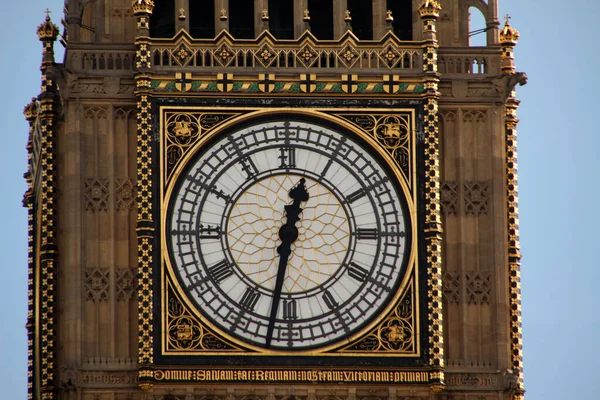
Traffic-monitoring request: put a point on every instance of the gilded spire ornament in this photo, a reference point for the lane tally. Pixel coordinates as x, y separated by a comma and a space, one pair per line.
47, 31
306, 17
389, 17
30, 110
142, 6
347, 17
509, 36
508, 40
430, 8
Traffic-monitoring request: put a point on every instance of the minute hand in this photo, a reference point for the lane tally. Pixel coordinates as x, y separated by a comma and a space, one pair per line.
288, 233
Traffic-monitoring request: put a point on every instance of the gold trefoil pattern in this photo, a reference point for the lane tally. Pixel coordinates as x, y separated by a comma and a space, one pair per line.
184, 332
395, 334
184, 129
253, 234
392, 132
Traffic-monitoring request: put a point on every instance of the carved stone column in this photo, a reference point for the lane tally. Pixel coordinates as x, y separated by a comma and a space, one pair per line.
46, 212
339, 13
429, 11
508, 39
145, 224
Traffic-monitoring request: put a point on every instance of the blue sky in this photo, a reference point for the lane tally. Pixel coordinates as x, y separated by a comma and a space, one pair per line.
559, 176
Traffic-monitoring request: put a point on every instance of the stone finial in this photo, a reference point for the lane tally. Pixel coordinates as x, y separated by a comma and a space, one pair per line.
348, 20
265, 15
30, 110
389, 18
306, 17
223, 15
508, 40
430, 8
142, 6
47, 31
347, 17
182, 16
509, 36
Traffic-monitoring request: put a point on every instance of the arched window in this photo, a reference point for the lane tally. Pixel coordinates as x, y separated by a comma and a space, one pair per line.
402, 13
202, 19
321, 18
241, 19
361, 12
162, 21
281, 18
477, 24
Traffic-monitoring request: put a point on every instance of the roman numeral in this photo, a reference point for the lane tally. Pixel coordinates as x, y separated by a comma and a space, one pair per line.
338, 148
212, 189
248, 165
362, 192
209, 232
357, 272
196, 283
329, 300
221, 271
352, 197
367, 234
287, 155
249, 299
289, 309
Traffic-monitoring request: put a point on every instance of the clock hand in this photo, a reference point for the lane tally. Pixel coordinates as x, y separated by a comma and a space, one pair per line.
288, 233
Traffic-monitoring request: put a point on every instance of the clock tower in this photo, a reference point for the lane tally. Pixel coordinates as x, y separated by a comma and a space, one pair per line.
274, 200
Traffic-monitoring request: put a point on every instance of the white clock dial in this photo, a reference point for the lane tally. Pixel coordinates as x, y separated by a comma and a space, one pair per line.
228, 220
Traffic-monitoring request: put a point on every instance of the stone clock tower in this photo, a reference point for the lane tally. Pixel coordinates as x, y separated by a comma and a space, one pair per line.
274, 200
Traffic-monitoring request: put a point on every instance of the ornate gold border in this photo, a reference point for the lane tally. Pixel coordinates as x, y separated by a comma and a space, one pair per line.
145, 232
430, 12
30, 112
41, 201
331, 115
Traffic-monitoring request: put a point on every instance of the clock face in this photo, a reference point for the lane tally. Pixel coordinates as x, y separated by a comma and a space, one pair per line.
288, 235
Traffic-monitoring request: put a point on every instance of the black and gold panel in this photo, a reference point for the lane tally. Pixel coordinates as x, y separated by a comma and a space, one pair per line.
288, 238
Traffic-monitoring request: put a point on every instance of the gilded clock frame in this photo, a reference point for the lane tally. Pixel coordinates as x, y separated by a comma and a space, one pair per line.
385, 335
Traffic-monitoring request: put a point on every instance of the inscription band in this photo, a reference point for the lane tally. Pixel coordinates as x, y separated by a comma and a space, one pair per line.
213, 375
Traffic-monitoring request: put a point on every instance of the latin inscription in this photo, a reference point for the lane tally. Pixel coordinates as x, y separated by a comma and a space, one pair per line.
214, 375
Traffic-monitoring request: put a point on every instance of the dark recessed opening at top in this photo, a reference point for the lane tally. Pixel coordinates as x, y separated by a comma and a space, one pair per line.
402, 13
162, 20
202, 19
361, 12
281, 18
321, 18
241, 19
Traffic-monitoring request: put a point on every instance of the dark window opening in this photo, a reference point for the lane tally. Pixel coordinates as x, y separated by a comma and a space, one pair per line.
402, 13
202, 19
321, 18
162, 20
281, 18
361, 12
241, 19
